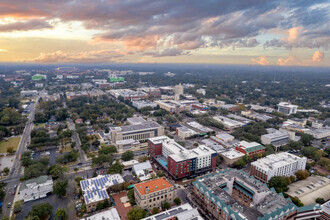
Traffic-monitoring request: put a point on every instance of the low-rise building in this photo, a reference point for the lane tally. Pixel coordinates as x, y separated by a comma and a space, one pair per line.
256, 116
95, 189
319, 133
231, 156
128, 94
182, 212
251, 149
275, 137
36, 188
298, 121
143, 170
135, 120
184, 132
228, 122
29, 93
153, 193
144, 104
281, 164
73, 95
199, 128
111, 214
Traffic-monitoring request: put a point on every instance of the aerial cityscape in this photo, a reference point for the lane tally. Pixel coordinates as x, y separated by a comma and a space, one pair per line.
164, 110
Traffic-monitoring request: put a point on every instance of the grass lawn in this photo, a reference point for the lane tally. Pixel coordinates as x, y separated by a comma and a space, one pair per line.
12, 142
40, 125
67, 148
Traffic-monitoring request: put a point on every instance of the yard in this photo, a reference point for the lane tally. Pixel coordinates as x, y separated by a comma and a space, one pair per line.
10, 143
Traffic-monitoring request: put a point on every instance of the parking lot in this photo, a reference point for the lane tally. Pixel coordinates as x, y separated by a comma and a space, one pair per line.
51, 153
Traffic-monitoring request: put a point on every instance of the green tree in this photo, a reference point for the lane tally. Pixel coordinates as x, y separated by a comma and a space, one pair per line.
6, 170
127, 155
280, 183
99, 206
57, 171
143, 159
155, 210
320, 201
59, 188
160, 173
131, 196
42, 211
61, 214
177, 201
136, 213
302, 174
117, 167
18, 206
297, 201
166, 205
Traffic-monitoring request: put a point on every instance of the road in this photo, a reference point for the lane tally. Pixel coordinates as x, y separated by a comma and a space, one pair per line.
76, 139
16, 171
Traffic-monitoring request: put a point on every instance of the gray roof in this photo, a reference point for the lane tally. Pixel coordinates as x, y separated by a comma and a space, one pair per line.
136, 127
38, 180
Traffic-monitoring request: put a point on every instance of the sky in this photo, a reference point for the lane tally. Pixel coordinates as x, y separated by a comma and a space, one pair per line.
256, 32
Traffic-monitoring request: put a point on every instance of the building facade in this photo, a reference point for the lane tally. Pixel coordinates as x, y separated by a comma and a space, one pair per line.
153, 193
251, 149
233, 194
287, 108
178, 161
138, 132
281, 164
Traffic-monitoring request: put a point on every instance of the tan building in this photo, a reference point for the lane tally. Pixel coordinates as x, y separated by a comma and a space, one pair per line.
136, 132
153, 193
231, 156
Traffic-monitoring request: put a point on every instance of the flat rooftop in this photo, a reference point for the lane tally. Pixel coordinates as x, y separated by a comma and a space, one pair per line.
95, 189
136, 127
232, 154
182, 212
310, 189
274, 161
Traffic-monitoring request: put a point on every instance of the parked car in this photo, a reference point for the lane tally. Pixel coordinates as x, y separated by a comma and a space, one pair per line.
8, 205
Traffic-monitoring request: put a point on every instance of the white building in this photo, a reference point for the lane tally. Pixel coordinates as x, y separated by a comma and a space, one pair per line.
182, 212
36, 188
287, 108
231, 156
198, 127
27, 93
184, 132
110, 214
319, 133
201, 91
281, 164
144, 104
275, 137
228, 123
143, 170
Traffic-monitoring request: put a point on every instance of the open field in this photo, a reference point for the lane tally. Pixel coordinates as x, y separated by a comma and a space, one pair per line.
11, 142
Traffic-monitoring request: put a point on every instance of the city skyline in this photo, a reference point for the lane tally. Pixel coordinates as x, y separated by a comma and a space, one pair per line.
292, 33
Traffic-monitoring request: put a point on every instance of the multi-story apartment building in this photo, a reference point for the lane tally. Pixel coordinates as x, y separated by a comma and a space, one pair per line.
153, 193
281, 164
178, 161
233, 194
287, 108
138, 132
250, 149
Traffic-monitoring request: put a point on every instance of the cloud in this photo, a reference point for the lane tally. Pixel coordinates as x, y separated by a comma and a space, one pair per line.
290, 61
318, 57
3, 50
262, 60
167, 53
152, 25
87, 57
25, 25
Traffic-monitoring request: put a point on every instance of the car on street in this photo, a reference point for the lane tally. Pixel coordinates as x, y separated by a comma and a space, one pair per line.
8, 205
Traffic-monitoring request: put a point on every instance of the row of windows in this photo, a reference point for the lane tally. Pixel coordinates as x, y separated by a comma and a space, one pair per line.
137, 136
